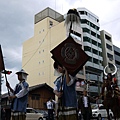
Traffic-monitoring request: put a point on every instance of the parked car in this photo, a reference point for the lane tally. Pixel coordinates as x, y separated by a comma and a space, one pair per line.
43, 112
99, 112
32, 114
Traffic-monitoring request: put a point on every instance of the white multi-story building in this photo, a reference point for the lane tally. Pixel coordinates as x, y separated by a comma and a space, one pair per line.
92, 46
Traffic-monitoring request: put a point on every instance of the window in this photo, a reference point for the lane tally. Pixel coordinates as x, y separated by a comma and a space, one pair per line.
94, 42
82, 12
99, 45
110, 56
90, 59
93, 25
35, 96
86, 39
117, 53
95, 51
86, 48
93, 33
95, 61
100, 62
109, 47
50, 24
86, 30
31, 110
111, 66
100, 53
117, 62
84, 21
98, 36
97, 28
101, 107
107, 37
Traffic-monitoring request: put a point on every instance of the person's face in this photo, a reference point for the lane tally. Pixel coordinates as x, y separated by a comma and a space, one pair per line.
85, 93
60, 69
19, 76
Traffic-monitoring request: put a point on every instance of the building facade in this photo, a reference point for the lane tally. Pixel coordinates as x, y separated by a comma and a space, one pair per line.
49, 31
117, 56
108, 50
117, 62
92, 46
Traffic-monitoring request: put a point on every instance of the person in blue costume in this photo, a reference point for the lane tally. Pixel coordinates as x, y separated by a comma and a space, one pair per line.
19, 97
65, 91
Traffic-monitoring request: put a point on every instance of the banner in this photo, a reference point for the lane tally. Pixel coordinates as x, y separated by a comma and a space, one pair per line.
70, 54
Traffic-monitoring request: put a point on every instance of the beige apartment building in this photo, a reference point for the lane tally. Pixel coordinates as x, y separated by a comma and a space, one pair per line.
49, 31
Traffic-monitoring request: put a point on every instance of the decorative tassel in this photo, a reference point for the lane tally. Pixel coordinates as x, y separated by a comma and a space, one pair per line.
72, 20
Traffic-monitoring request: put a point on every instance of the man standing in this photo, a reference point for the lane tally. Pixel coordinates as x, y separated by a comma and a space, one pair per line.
84, 106
50, 107
19, 96
65, 90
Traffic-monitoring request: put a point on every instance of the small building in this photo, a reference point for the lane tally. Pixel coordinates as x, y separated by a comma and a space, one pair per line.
39, 95
37, 98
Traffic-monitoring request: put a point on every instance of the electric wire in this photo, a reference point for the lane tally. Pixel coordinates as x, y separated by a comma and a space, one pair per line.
36, 50
110, 22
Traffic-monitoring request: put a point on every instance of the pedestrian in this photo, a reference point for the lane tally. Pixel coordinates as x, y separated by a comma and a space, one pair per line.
19, 96
66, 93
3, 112
50, 107
84, 105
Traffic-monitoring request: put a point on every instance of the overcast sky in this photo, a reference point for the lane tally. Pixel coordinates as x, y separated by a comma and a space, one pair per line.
17, 24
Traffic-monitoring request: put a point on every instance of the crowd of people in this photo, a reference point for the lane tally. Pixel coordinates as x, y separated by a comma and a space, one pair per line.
64, 89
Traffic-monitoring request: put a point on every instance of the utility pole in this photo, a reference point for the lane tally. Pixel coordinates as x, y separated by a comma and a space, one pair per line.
0, 94
88, 84
98, 78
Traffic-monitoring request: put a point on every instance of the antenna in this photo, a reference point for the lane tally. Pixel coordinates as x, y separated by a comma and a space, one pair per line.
55, 9
62, 6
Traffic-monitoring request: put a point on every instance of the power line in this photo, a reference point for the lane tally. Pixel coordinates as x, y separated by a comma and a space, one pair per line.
110, 21
38, 47
36, 50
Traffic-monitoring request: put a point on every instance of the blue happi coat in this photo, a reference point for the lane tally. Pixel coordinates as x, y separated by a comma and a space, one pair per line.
19, 104
69, 93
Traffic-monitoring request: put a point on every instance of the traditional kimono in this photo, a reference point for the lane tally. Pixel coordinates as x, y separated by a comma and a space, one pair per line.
19, 104
67, 110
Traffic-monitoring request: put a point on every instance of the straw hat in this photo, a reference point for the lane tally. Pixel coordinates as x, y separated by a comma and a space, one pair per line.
21, 71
